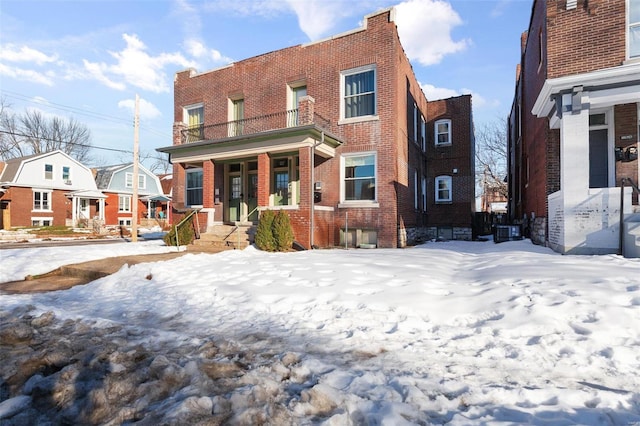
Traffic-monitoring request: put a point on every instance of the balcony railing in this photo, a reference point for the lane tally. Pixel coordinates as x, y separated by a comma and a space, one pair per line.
249, 126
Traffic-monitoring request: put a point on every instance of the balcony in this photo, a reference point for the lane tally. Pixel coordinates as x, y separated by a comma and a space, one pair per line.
252, 126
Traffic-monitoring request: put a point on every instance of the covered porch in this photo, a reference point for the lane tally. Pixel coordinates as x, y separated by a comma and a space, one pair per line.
231, 179
87, 208
597, 117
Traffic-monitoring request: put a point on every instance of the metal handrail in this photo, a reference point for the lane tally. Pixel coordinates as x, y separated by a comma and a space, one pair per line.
621, 232
183, 221
243, 219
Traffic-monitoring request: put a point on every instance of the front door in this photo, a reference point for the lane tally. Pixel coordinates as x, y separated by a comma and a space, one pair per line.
252, 201
598, 158
84, 208
235, 197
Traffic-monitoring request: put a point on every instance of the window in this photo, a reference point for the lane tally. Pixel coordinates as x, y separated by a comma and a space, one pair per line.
286, 183
41, 221
195, 123
443, 189
194, 187
424, 194
124, 203
236, 121
293, 104
48, 171
142, 181
443, 132
124, 222
423, 133
66, 174
41, 200
358, 92
415, 189
634, 29
359, 177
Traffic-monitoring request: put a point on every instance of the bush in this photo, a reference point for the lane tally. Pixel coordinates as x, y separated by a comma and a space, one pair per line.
264, 235
282, 231
186, 234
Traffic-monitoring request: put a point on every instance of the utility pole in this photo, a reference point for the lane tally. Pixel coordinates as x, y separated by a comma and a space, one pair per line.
134, 198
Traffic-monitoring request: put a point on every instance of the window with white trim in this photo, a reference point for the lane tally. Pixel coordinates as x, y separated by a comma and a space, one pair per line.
142, 181
443, 189
48, 171
358, 92
124, 203
124, 221
42, 200
194, 119
66, 174
442, 130
194, 187
633, 36
359, 177
41, 221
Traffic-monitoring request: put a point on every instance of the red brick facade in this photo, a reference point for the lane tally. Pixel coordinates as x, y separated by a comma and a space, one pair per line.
263, 82
563, 41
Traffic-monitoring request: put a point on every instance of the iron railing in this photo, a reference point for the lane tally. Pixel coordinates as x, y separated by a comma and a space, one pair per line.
248, 126
623, 181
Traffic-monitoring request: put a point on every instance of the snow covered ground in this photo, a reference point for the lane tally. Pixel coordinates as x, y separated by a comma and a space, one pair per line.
449, 332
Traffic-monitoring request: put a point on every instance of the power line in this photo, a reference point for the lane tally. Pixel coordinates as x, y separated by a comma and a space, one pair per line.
65, 142
79, 111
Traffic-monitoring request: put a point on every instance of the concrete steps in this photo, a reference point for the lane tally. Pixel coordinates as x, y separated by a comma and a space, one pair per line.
632, 236
226, 237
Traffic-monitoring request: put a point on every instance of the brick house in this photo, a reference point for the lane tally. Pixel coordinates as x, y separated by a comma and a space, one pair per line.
574, 125
337, 132
49, 189
116, 182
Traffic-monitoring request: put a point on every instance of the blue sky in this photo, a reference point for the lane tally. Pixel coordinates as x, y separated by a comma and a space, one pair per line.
88, 59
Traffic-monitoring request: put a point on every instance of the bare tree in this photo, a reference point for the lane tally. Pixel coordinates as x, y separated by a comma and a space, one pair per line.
33, 133
491, 156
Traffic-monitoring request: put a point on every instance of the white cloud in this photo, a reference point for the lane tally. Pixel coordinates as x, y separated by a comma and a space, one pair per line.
425, 29
199, 51
136, 67
317, 17
147, 110
31, 76
13, 53
434, 93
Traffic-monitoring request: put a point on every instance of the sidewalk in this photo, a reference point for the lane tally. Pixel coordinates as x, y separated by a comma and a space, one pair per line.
69, 276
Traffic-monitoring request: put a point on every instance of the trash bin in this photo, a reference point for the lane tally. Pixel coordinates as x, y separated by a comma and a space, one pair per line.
503, 233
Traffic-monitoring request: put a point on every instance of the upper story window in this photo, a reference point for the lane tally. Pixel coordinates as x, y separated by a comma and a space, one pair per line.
443, 189
423, 133
194, 187
236, 117
634, 29
294, 95
358, 92
443, 132
48, 171
359, 177
66, 174
194, 118
142, 181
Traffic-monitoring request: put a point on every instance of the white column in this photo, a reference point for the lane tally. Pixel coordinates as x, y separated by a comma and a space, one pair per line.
574, 151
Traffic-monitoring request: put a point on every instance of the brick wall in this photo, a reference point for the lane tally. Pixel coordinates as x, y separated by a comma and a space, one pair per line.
21, 206
587, 38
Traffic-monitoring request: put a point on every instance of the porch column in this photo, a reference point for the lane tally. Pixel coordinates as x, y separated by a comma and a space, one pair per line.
306, 195
574, 170
101, 204
264, 179
208, 181
74, 210
179, 177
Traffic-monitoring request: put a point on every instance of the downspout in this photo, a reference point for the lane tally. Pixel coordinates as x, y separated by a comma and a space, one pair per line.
312, 192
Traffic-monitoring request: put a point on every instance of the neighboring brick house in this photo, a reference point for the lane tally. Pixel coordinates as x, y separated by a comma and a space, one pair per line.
116, 182
338, 127
574, 125
50, 189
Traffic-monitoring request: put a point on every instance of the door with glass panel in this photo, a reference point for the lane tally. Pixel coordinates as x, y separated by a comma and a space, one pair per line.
281, 184
252, 190
235, 192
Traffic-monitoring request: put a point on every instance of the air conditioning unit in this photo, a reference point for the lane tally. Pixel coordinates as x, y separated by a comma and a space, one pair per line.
67, 182
504, 233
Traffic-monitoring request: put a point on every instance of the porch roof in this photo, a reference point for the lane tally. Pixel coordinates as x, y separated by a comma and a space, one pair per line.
272, 141
89, 193
606, 87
